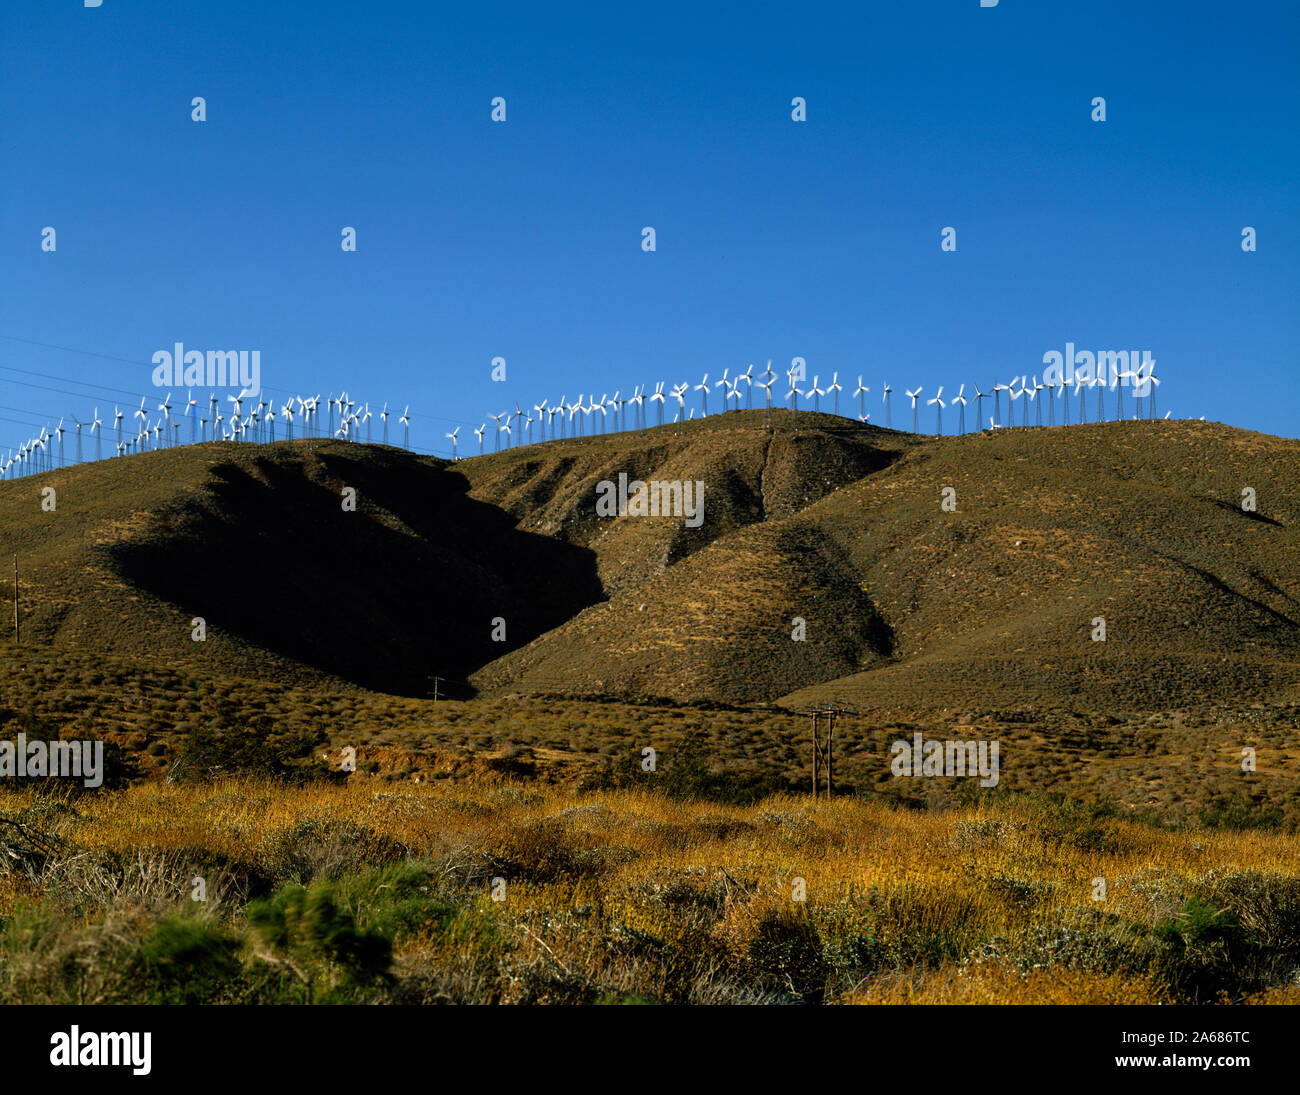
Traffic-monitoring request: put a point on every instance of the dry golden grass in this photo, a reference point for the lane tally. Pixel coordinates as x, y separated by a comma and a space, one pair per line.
629, 893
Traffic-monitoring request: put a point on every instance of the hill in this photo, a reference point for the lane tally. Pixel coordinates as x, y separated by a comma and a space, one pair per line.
991, 602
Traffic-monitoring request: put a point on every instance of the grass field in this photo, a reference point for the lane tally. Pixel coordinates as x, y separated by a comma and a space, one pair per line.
333, 892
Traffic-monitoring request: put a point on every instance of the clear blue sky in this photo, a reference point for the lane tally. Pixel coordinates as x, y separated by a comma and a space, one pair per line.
775, 238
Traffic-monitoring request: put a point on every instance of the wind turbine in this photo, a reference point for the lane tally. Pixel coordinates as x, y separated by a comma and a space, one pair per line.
78, 424
658, 397
979, 405
1012, 396
383, 417
1100, 385
540, 409
1120, 378
885, 396
479, 432
703, 386
679, 394
1152, 382
793, 395
191, 410
405, 420
496, 446
1051, 407
912, 396
59, 431
817, 394
960, 400
117, 421
725, 384
861, 392
166, 408
748, 377
95, 429
767, 389
1038, 407
938, 411
1030, 395
836, 387
997, 405
452, 437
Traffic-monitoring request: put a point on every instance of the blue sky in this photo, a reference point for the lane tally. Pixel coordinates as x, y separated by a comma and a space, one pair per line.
522, 240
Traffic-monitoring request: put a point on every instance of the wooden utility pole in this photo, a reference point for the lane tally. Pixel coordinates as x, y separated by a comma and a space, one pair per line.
434, 693
823, 751
17, 632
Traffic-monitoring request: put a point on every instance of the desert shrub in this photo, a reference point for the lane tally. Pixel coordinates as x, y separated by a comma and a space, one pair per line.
786, 953
316, 937
1240, 813
1196, 954
326, 849
184, 960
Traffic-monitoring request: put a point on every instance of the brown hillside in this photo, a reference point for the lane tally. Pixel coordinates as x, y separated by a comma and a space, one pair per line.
1137, 522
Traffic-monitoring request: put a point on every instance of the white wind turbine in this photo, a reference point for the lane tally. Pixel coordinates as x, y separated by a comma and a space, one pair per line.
59, 432
1051, 406
405, 420
540, 410
452, 438
1013, 394
793, 397
383, 418
95, 425
366, 419
1120, 379
166, 408
748, 377
912, 396
725, 384
960, 400
997, 405
496, 441
479, 432
703, 386
836, 387
1100, 385
817, 393
1026, 390
658, 397
938, 411
192, 410
885, 396
1150, 382
861, 392
78, 424
1038, 407
979, 404
767, 391
117, 421
679, 394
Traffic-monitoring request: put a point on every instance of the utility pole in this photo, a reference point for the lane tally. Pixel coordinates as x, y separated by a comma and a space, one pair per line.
434, 693
17, 633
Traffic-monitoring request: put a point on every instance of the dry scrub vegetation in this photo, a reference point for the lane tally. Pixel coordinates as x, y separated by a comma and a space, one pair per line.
368, 891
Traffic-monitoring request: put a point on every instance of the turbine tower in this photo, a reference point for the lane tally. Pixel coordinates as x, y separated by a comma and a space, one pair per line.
938, 411
912, 396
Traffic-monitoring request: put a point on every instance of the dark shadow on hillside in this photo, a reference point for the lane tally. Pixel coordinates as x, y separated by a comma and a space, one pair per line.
407, 586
